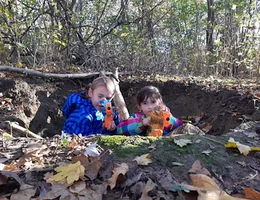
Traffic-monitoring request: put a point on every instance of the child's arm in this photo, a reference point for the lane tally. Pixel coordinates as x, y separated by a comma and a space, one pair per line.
174, 123
69, 104
132, 126
82, 123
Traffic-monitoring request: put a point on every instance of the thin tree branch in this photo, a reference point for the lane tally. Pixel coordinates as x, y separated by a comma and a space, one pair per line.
56, 76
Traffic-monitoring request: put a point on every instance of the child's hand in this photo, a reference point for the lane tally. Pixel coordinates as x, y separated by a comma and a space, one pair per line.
146, 121
112, 126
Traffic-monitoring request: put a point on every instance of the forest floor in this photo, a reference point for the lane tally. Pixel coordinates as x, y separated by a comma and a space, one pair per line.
180, 166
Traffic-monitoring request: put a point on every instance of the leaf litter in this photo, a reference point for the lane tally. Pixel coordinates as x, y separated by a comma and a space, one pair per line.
69, 173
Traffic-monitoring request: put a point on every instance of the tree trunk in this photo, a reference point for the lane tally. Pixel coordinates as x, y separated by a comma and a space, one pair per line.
210, 25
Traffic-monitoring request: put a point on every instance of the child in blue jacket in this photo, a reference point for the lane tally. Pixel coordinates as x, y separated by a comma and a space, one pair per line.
84, 110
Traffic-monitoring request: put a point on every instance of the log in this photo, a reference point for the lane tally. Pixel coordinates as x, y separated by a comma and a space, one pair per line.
119, 100
54, 75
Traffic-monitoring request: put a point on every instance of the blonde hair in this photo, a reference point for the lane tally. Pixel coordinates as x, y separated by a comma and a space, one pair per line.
104, 81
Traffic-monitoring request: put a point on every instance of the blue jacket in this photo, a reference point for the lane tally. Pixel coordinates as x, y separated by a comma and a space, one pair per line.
82, 117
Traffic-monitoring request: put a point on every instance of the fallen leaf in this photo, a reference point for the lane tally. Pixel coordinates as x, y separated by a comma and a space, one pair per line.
94, 192
32, 155
206, 127
243, 149
203, 181
25, 193
251, 194
148, 187
121, 169
70, 173
207, 152
92, 165
56, 191
77, 187
133, 180
73, 143
92, 150
182, 142
234, 114
197, 169
255, 148
143, 159
207, 188
48, 175
12, 166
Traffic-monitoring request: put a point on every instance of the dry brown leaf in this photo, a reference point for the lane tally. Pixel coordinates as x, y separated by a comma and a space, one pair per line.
94, 192
143, 159
133, 180
206, 127
12, 166
56, 191
197, 169
48, 175
234, 114
203, 181
148, 187
121, 169
77, 187
73, 143
25, 193
251, 194
92, 165
211, 194
28, 158
207, 188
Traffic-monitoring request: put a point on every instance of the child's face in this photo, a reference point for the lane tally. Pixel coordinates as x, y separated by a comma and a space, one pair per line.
148, 104
99, 93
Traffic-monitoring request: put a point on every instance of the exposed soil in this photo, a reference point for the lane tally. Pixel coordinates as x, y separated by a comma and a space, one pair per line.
36, 103
211, 105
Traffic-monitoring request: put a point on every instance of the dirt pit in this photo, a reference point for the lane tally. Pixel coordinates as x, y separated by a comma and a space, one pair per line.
36, 103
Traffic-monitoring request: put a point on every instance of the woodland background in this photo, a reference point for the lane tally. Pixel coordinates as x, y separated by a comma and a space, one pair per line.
191, 37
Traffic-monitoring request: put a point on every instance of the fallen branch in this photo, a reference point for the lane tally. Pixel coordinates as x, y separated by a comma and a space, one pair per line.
23, 130
53, 75
118, 99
